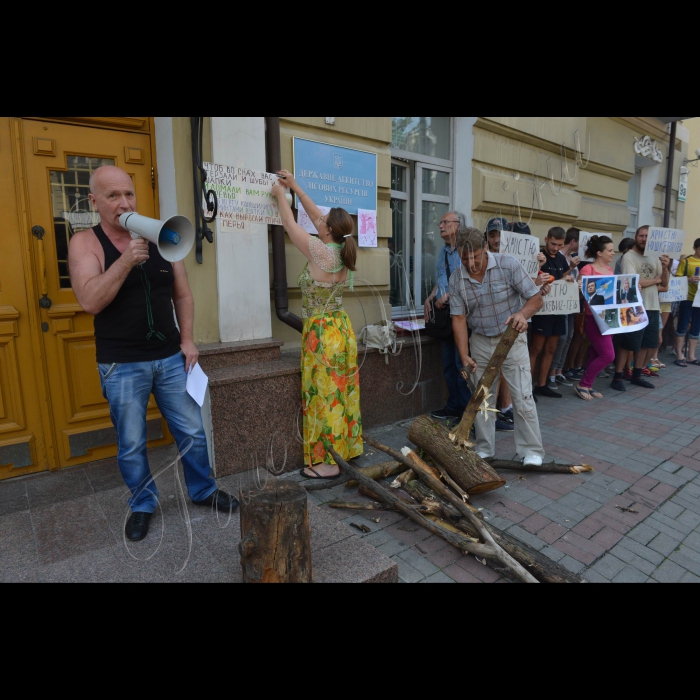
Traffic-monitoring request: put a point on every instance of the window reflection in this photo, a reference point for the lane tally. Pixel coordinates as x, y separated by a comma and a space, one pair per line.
428, 136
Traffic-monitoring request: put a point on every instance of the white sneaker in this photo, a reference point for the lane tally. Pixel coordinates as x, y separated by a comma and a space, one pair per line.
484, 456
533, 461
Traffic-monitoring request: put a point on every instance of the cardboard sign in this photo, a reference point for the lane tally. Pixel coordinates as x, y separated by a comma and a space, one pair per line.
665, 241
523, 248
245, 196
563, 300
677, 291
616, 303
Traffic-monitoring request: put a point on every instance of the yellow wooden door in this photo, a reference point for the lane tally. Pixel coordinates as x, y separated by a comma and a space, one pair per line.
23, 449
59, 160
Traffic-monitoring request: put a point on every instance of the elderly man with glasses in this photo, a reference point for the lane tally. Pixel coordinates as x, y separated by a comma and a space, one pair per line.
449, 261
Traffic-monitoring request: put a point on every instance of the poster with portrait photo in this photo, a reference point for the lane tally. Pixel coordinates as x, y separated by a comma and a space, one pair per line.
603, 296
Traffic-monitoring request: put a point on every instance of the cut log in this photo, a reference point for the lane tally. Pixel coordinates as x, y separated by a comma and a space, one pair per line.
551, 468
485, 385
379, 471
539, 565
464, 467
275, 535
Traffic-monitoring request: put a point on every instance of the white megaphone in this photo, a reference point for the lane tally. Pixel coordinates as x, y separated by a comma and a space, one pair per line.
175, 237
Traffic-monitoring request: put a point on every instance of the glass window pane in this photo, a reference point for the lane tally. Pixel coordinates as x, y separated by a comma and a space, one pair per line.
398, 178
428, 136
400, 264
436, 182
432, 245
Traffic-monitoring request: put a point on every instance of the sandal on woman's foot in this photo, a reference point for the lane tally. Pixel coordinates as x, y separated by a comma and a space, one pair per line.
584, 394
318, 477
596, 394
695, 363
680, 363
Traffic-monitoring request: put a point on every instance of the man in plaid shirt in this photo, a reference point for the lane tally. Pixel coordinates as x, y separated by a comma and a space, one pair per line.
492, 292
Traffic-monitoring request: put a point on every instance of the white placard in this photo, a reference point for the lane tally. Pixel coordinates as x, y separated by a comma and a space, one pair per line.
563, 300
245, 196
665, 241
696, 303
603, 295
367, 228
523, 248
197, 383
305, 221
677, 291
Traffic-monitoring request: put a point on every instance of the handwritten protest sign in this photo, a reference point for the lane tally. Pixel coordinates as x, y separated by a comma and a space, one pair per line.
523, 248
604, 296
665, 241
305, 221
367, 225
677, 291
562, 300
245, 196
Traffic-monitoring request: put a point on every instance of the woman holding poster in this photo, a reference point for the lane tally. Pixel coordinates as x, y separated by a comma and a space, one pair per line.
602, 352
330, 374
689, 318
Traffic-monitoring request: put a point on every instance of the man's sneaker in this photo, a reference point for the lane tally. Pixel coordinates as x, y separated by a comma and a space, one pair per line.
619, 385
552, 385
445, 414
643, 383
503, 427
547, 392
561, 380
507, 416
603, 375
533, 461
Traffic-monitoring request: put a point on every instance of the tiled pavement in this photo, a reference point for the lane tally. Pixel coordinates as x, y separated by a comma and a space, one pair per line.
645, 447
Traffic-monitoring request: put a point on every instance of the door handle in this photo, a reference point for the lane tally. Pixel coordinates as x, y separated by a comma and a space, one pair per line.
45, 303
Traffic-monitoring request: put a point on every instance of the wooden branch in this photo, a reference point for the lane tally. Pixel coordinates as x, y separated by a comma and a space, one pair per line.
500, 554
551, 468
485, 385
379, 471
539, 565
339, 505
463, 543
321, 485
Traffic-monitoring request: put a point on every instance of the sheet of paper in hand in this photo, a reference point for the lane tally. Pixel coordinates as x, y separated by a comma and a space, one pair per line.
677, 291
245, 196
563, 300
665, 241
616, 303
523, 248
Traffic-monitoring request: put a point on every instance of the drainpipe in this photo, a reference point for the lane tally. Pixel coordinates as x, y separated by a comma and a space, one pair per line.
669, 175
279, 256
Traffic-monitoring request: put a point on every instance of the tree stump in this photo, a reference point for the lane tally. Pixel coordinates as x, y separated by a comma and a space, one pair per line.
275, 535
465, 467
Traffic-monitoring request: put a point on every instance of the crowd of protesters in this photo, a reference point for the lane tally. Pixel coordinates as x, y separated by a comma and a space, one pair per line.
569, 351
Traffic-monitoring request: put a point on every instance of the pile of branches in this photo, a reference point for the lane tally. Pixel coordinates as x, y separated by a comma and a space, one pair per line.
437, 494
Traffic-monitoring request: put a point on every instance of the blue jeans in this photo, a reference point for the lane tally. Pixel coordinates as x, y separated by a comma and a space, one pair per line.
128, 388
689, 316
460, 395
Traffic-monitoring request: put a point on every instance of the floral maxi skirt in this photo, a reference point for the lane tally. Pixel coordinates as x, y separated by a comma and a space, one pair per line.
330, 389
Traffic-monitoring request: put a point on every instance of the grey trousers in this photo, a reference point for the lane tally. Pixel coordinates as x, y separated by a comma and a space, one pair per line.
516, 372
564, 344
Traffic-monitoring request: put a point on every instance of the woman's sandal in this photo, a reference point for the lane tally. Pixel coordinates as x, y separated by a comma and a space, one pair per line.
695, 363
584, 394
681, 363
318, 477
596, 394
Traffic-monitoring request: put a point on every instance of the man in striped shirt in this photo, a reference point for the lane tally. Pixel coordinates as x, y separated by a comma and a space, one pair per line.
492, 292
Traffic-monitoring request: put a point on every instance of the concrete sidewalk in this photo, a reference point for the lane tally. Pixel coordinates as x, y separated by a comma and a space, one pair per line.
645, 447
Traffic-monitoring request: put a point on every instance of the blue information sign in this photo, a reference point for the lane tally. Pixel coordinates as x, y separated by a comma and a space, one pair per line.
334, 176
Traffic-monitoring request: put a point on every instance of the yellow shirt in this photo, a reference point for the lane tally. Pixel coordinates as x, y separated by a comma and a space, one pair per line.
687, 269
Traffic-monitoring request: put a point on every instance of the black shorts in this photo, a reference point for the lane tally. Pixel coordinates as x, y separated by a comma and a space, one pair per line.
648, 339
549, 326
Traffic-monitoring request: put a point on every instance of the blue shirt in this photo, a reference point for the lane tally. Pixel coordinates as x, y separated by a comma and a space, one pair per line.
443, 276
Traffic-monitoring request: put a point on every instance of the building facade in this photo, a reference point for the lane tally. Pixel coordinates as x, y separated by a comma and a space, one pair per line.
602, 174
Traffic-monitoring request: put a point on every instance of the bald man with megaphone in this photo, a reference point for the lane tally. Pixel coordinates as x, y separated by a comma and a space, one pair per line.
128, 272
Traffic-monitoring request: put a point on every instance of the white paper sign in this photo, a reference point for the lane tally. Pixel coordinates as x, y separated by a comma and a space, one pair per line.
677, 291
616, 303
665, 241
696, 303
563, 300
523, 248
245, 196
305, 221
197, 383
367, 228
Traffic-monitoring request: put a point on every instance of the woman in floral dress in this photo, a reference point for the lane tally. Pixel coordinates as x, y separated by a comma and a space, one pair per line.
330, 374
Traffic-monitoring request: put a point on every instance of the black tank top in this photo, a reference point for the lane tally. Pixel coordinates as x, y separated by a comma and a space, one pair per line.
139, 325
